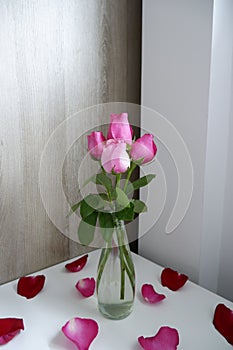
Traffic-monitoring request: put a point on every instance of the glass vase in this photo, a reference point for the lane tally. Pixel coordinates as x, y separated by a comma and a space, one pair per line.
116, 276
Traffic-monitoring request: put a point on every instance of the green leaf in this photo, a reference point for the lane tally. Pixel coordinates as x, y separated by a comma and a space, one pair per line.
91, 203
74, 208
139, 206
113, 194
106, 225
85, 209
85, 233
122, 200
138, 162
127, 214
143, 181
86, 229
104, 196
129, 188
104, 180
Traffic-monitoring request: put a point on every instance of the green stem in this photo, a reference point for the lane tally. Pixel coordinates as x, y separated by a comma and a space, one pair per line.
126, 265
122, 293
132, 167
122, 263
125, 260
118, 179
131, 275
101, 267
128, 260
108, 192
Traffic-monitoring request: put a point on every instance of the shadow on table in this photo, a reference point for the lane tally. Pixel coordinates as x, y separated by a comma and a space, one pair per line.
60, 342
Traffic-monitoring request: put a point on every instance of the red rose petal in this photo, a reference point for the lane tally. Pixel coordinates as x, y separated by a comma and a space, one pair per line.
172, 279
167, 338
30, 286
223, 322
9, 328
81, 331
150, 295
77, 265
86, 286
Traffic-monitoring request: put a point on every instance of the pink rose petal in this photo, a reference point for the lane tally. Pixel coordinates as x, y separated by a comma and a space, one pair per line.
77, 265
86, 286
172, 279
9, 328
96, 144
119, 128
81, 331
150, 295
223, 322
144, 148
30, 286
115, 157
167, 338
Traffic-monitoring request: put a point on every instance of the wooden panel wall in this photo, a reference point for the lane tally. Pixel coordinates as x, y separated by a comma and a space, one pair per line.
56, 57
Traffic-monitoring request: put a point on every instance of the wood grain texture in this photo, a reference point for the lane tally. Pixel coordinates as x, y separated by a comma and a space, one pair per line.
56, 57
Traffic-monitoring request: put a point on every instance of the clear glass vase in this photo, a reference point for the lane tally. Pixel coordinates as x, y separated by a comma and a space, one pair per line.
116, 276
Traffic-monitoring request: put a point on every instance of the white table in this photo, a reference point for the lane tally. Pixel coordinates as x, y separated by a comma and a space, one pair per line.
190, 310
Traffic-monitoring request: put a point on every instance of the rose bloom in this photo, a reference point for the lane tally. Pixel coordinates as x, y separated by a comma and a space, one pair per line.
115, 157
144, 148
96, 144
119, 128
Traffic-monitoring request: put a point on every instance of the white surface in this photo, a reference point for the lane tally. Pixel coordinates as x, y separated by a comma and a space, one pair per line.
217, 258
175, 82
190, 310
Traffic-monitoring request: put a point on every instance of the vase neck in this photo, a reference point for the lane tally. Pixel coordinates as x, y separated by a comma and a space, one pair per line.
119, 237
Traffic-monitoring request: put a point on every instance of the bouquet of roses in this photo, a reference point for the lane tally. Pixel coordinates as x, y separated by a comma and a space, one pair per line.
119, 154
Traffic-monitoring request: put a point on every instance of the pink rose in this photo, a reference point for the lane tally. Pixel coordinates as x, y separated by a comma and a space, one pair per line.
119, 128
96, 144
144, 147
115, 157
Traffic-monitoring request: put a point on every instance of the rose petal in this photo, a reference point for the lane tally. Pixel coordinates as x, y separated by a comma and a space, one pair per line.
119, 128
223, 322
30, 286
115, 157
167, 338
96, 144
77, 265
172, 279
144, 148
9, 328
150, 295
81, 331
86, 286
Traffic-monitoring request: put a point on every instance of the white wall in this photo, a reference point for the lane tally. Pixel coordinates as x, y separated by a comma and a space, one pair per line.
175, 82
217, 239
187, 77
